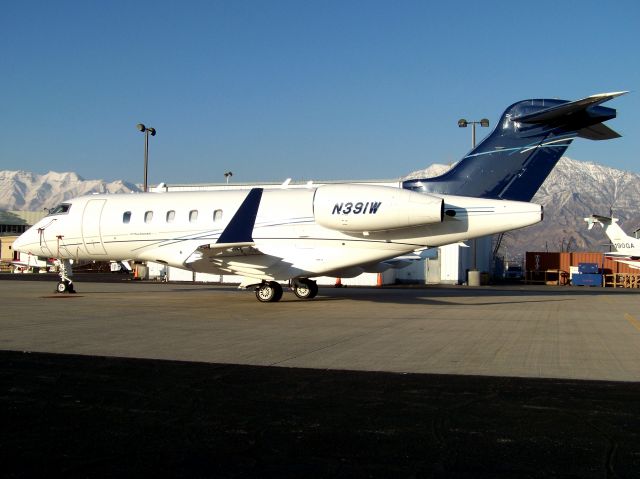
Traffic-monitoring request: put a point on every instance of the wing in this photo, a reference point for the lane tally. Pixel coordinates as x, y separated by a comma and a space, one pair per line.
237, 237
235, 250
632, 264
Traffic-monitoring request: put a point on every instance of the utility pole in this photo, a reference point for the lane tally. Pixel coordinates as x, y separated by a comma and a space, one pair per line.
462, 123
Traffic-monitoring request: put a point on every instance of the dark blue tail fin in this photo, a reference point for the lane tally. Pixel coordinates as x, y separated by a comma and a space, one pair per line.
515, 159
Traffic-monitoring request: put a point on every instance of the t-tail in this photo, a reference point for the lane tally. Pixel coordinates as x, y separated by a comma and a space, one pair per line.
514, 160
621, 241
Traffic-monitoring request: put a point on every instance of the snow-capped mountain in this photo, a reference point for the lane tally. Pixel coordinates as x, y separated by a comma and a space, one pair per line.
436, 169
22, 190
573, 191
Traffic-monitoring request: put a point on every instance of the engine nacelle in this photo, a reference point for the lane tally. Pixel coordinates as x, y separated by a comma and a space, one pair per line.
363, 208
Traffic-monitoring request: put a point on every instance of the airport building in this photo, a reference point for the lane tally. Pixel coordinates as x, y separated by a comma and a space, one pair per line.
15, 223
12, 225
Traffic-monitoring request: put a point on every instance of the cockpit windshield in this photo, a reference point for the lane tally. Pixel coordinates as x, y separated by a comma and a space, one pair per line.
61, 209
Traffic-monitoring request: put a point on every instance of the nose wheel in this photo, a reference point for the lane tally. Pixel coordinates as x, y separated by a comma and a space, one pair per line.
65, 287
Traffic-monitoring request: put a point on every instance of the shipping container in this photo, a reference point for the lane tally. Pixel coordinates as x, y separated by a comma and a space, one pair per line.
543, 261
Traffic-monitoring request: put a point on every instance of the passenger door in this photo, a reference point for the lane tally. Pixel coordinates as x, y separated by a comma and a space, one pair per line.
91, 234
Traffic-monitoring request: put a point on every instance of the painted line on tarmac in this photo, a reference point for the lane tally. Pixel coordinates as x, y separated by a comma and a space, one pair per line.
633, 321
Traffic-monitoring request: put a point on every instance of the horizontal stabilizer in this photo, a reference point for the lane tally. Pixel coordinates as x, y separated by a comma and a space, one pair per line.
621, 254
569, 108
598, 132
604, 220
240, 228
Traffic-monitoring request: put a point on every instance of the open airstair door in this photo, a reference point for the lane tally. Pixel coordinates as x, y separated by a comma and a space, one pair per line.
91, 234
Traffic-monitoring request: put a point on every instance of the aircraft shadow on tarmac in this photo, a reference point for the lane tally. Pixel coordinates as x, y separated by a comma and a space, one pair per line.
459, 295
89, 416
434, 295
399, 295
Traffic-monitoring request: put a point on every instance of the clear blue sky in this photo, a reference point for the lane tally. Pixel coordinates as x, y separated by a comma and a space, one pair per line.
308, 90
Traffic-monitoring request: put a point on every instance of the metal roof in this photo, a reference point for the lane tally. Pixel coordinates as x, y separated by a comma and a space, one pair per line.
21, 217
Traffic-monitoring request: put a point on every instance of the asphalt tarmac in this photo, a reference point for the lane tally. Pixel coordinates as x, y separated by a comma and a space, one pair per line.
105, 396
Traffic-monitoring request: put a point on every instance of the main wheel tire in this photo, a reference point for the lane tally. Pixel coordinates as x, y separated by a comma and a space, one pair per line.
306, 289
302, 290
62, 287
269, 292
314, 289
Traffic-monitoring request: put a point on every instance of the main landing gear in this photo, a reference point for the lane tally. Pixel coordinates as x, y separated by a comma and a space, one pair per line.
305, 288
271, 291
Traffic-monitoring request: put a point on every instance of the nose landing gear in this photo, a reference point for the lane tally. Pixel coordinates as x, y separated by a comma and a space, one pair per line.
65, 285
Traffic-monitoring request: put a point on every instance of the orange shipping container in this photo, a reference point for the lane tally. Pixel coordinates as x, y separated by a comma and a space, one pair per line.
544, 261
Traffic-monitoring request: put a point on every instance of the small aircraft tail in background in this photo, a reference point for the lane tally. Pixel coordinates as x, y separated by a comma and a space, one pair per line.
513, 161
627, 248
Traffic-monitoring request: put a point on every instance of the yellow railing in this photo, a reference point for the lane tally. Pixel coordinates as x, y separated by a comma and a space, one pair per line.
622, 280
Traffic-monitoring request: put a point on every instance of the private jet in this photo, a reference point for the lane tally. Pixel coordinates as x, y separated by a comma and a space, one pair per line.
291, 235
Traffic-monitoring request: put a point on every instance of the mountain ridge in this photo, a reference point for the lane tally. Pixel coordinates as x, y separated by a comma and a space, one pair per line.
27, 191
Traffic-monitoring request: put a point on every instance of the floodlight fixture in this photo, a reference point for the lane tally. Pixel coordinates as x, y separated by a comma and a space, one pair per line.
463, 123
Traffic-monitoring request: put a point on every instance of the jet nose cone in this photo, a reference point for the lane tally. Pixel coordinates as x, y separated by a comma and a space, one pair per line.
17, 244
21, 242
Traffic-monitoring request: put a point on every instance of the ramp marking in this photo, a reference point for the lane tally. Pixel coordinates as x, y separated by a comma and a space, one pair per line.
633, 321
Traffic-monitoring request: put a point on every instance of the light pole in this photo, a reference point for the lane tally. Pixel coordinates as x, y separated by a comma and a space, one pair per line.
228, 175
462, 123
147, 132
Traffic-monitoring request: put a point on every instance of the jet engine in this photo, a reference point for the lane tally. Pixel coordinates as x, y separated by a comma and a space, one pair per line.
364, 208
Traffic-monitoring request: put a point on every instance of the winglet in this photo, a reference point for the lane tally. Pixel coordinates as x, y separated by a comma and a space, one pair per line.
240, 228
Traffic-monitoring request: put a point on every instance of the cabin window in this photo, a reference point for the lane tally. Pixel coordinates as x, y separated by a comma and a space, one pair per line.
217, 215
126, 217
193, 216
148, 216
171, 215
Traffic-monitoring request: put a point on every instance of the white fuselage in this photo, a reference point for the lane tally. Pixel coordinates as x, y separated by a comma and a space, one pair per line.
289, 242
